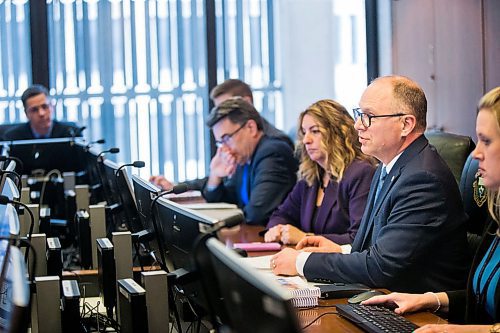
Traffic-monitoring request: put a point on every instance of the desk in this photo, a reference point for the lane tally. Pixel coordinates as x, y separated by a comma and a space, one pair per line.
335, 323
330, 322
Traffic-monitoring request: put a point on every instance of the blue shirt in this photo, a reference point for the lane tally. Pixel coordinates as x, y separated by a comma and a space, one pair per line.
488, 272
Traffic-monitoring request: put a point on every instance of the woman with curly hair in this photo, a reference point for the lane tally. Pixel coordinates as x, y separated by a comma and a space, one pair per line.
335, 178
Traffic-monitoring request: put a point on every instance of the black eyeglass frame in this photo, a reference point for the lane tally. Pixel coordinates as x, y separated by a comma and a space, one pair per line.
357, 114
226, 137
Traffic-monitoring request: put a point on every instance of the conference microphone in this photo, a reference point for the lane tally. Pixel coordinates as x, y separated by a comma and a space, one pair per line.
227, 222
19, 163
111, 151
99, 142
177, 189
74, 132
4, 200
135, 164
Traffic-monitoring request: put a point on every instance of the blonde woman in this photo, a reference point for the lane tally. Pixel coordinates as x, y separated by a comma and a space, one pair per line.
331, 195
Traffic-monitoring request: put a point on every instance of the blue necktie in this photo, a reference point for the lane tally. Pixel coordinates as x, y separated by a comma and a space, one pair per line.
383, 175
244, 185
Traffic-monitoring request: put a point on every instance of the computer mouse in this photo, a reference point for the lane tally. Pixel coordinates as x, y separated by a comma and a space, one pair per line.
356, 299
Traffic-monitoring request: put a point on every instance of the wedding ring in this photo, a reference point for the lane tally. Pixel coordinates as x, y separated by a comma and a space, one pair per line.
273, 263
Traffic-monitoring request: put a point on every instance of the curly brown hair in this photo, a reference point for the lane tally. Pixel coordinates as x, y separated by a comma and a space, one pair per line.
339, 141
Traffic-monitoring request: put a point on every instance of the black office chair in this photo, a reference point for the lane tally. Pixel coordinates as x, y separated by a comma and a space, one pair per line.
4, 128
453, 148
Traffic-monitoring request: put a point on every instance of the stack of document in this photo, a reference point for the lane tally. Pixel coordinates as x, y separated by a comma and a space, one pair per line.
303, 293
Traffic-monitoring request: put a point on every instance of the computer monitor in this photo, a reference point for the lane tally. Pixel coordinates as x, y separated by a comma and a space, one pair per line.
44, 155
124, 187
119, 195
247, 300
14, 290
91, 175
144, 193
9, 221
181, 229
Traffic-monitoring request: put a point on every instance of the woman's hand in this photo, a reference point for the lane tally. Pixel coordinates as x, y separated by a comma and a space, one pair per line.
406, 302
291, 235
273, 234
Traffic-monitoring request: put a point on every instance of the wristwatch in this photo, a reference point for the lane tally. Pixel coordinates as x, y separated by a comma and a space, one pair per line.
495, 328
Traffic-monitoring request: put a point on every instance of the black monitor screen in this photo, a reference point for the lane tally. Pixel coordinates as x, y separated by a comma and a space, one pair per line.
252, 302
14, 291
44, 155
144, 193
117, 182
91, 175
180, 228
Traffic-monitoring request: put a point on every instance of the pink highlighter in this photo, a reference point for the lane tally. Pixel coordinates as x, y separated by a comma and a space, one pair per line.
258, 246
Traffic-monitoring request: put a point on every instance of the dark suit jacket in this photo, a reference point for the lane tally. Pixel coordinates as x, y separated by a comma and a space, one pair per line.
340, 213
419, 241
271, 176
463, 305
59, 130
268, 129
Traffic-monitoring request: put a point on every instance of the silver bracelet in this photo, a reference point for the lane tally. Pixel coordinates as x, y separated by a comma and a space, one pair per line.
437, 299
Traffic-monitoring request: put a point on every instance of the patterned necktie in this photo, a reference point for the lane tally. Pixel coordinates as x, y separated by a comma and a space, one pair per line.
383, 175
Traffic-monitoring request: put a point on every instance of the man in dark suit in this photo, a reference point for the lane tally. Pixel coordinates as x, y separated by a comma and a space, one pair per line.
412, 235
262, 169
227, 89
40, 113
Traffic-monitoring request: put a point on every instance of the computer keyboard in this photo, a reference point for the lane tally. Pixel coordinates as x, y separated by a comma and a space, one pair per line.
375, 319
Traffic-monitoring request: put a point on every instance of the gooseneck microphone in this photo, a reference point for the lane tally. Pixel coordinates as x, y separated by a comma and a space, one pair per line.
113, 150
74, 132
4, 200
18, 161
99, 142
135, 164
177, 189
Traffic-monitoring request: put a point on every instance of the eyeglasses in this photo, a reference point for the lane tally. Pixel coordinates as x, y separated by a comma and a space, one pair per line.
35, 109
226, 137
366, 119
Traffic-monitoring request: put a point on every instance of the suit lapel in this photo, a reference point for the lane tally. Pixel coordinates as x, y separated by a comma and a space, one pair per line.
367, 222
326, 206
365, 233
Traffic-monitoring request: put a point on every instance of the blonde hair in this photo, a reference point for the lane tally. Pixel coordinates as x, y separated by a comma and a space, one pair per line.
490, 102
339, 141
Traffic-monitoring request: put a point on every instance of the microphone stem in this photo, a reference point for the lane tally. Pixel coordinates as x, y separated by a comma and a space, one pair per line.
163, 264
32, 226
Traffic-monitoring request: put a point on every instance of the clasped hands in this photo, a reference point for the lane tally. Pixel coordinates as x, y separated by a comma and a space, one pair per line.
283, 262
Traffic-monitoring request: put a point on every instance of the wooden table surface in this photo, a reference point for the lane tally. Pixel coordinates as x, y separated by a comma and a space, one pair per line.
329, 322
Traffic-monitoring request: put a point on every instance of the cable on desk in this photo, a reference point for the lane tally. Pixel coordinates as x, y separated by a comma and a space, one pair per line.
317, 318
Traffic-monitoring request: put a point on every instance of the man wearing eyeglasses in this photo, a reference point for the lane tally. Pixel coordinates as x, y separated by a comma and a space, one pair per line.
412, 236
228, 89
262, 169
40, 113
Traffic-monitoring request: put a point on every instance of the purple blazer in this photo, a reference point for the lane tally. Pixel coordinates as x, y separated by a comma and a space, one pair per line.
342, 208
